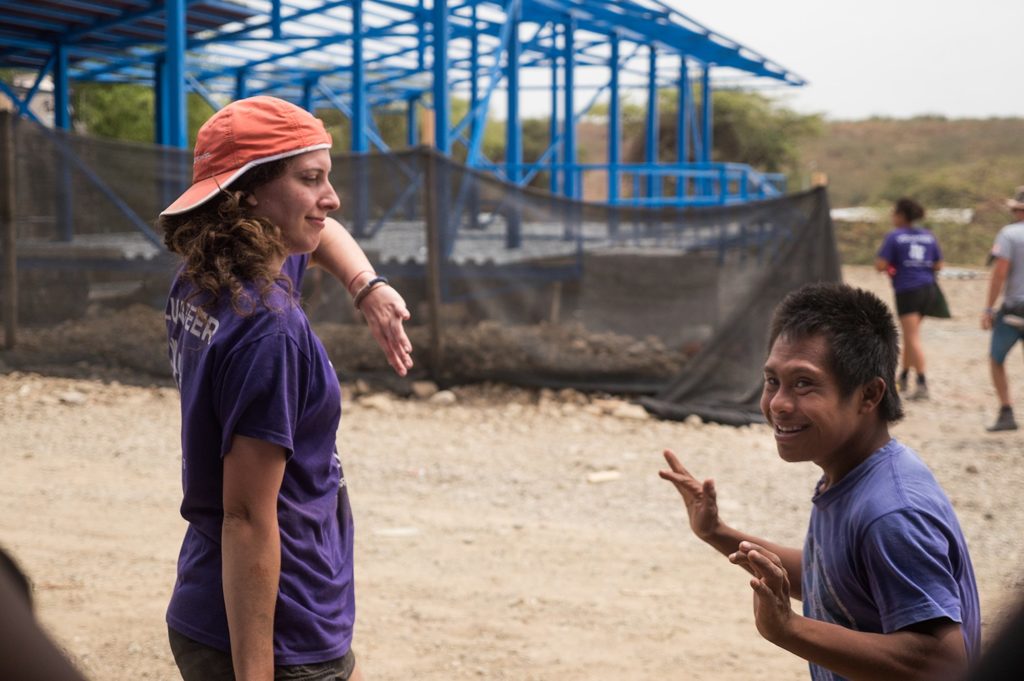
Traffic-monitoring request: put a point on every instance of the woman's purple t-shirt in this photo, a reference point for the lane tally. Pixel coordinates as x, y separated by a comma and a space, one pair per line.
913, 252
264, 376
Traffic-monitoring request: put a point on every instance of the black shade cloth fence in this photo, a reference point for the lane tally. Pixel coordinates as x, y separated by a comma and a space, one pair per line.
505, 283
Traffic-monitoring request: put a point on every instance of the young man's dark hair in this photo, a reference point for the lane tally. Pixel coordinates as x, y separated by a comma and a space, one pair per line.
860, 331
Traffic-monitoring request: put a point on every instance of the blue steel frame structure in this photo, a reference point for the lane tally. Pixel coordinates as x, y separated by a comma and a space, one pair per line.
362, 55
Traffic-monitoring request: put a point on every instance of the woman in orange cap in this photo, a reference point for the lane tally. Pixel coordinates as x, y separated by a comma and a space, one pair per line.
264, 587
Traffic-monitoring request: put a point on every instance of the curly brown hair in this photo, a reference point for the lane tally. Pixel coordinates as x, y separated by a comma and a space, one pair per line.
224, 246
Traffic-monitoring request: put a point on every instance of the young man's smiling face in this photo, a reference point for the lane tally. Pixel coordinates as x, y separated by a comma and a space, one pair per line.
811, 418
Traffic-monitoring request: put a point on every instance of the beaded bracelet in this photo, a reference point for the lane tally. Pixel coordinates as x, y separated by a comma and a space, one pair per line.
367, 287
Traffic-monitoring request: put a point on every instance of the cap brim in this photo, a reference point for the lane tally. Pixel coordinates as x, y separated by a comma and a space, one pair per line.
201, 192
204, 190
1014, 205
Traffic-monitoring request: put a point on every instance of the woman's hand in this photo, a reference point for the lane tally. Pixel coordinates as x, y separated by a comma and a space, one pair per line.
385, 312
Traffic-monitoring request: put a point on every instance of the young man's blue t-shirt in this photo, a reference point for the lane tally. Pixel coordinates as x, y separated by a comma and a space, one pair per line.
265, 376
913, 252
885, 551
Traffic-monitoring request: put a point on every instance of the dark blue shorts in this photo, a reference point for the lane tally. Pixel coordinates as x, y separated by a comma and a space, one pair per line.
1004, 337
198, 662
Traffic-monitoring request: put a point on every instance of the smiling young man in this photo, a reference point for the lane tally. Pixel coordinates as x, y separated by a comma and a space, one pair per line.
885, 578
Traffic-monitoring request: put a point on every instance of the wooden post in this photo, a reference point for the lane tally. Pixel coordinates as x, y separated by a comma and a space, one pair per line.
10, 277
555, 313
434, 257
427, 127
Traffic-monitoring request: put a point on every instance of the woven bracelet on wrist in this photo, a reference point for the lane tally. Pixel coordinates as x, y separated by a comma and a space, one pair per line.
348, 286
367, 287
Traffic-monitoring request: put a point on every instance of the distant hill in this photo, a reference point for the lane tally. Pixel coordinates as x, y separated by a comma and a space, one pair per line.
956, 163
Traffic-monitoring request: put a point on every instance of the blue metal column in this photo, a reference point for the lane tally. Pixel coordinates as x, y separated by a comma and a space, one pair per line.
308, 100
411, 137
651, 152
176, 173
513, 129
706, 120
175, 125
275, 18
553, 121
473, 200
61, 99
682, 127
62, 120
359, 109
440, 193
570, 183
411, 140
570, 175
474, 68
614, 123
360, 124
241, 85
440, 69
706, 124
421, 38
159, 101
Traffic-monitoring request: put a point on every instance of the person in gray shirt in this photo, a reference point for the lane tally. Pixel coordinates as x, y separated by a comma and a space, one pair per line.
1007, 321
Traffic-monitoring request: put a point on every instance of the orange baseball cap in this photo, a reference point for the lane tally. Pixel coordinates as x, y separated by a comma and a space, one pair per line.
244, 134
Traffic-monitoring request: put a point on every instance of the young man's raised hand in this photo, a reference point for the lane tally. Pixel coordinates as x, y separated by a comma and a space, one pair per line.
700, 499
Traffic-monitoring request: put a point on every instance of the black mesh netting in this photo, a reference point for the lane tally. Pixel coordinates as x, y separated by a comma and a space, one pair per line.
505, 284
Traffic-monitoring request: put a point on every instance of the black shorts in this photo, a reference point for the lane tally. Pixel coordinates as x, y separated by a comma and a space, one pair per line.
198, 662
915, 301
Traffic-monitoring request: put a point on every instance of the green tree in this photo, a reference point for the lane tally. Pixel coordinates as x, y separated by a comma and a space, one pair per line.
125, 111
747, 127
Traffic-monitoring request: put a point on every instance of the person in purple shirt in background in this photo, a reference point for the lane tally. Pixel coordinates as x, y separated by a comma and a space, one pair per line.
910, 254
265, 580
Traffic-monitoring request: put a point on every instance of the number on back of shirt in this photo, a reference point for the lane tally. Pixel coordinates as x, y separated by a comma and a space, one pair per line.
917, 252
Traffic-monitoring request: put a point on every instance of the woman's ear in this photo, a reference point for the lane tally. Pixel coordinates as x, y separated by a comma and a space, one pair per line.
871, 394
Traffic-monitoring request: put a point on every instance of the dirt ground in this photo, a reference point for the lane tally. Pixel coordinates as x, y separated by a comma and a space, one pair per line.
484, 548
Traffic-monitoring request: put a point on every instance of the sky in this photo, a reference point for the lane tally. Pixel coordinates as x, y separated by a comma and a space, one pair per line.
897, 58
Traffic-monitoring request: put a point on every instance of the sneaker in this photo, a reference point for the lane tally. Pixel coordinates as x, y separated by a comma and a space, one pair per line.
901, 384
1004, 421
920, 393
